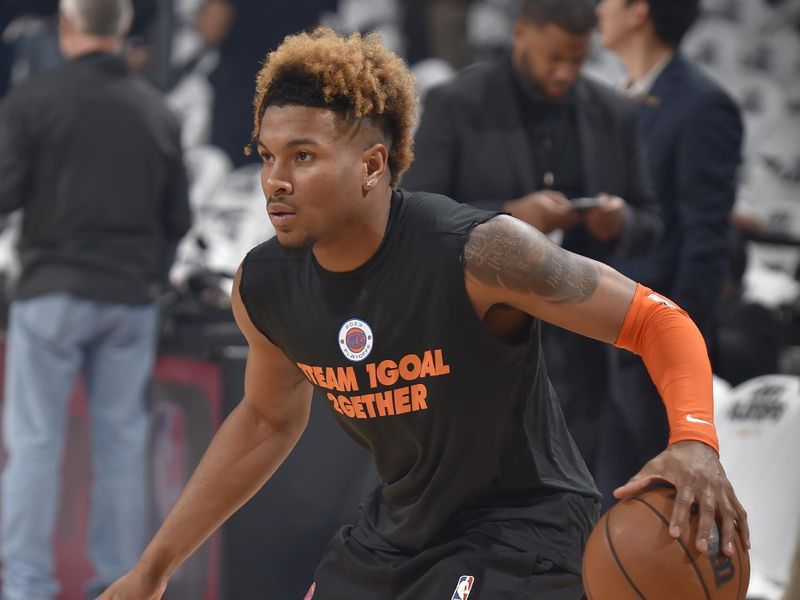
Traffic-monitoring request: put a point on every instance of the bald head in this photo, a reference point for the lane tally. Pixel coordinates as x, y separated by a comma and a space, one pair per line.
99, 18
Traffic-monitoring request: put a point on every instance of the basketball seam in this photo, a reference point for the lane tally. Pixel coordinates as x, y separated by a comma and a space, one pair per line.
619, 564
683, 546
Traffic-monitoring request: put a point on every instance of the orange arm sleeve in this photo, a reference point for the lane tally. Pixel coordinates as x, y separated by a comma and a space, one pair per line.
675, 355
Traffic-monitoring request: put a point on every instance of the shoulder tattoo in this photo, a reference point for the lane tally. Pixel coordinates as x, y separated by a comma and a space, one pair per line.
511, 255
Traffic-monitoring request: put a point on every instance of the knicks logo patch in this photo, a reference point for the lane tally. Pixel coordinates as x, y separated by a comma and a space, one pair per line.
463, 588
355, 339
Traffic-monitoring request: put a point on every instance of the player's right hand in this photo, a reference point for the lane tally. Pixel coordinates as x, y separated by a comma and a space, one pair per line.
693, 468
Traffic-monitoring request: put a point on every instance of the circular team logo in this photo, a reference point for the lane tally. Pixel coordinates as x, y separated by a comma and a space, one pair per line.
355, 339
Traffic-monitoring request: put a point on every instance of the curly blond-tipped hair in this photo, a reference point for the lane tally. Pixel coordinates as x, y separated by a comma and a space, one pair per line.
353, 76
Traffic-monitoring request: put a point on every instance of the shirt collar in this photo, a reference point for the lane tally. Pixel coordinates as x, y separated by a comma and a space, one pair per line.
641, 88
109, 61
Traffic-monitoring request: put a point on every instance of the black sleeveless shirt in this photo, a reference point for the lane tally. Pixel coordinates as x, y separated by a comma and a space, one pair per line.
462, 426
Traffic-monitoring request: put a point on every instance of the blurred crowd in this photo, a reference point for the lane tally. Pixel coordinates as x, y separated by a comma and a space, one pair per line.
203, 56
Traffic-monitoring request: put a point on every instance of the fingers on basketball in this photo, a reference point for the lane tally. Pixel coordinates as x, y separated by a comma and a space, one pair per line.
630, 555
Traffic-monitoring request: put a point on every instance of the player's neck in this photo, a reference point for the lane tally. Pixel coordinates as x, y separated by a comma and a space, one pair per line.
355, 244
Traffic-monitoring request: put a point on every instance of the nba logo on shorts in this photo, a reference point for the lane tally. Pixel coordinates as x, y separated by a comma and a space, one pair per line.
463, 588
311, 591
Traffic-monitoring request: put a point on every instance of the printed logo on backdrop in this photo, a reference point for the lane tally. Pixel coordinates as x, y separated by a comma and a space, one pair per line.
765, 403
785, 169
463, 588
355, 339
793, 106
759, 58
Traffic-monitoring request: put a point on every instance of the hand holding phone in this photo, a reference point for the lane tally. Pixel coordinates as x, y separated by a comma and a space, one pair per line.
604, 216
585, 203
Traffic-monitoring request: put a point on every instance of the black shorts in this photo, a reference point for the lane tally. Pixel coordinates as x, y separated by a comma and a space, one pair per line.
471, 567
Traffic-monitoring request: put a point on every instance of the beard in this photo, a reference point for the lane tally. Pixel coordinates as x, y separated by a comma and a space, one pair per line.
297, 249
524, 72
532, 86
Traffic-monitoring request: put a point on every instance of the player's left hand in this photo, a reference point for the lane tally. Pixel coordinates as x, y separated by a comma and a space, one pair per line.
607, 221
695, 471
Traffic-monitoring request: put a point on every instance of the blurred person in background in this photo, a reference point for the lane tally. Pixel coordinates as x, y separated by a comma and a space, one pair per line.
244, 31
92, 157
6, 49
526, 134
34, 46
9, 11
36, 40
693, 137
437, 29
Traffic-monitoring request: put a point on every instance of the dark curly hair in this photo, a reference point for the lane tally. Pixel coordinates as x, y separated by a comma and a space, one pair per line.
352, 76
672, 18
575, 16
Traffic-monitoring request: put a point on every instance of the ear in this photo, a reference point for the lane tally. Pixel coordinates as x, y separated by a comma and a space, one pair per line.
64, 23
519, 34
639, 12
375, 160
66, 33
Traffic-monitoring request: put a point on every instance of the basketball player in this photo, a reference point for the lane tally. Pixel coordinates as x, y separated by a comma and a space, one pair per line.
418, 320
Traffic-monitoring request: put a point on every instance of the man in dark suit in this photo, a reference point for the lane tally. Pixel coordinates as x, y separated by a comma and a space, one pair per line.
527, 134
693, 136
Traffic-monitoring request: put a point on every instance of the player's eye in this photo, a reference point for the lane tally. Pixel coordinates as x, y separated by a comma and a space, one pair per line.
304, 156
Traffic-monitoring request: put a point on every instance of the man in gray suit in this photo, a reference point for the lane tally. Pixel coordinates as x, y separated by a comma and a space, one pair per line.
527, 134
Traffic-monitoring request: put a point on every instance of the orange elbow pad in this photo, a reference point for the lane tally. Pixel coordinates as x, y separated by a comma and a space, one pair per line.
674, 352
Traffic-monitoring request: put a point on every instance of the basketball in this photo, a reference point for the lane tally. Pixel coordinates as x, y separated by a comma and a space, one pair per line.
630, 555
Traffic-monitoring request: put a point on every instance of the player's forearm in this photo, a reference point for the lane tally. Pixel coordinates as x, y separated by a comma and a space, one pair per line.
244, 453
675, 355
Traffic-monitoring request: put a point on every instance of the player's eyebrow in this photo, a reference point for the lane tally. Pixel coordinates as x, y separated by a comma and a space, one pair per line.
301, 142
292, 143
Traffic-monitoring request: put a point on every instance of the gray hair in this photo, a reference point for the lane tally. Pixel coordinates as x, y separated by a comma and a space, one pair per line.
103, 18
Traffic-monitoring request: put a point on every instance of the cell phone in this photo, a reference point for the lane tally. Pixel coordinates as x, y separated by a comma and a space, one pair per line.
585, 203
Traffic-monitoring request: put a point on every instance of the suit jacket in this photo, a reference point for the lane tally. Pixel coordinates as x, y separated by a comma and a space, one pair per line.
472, 145
693, 136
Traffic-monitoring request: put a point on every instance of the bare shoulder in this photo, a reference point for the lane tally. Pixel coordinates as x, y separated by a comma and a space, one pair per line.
507, 254
268, 368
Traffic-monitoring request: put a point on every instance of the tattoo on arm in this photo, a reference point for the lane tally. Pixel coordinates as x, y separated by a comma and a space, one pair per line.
507, 255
